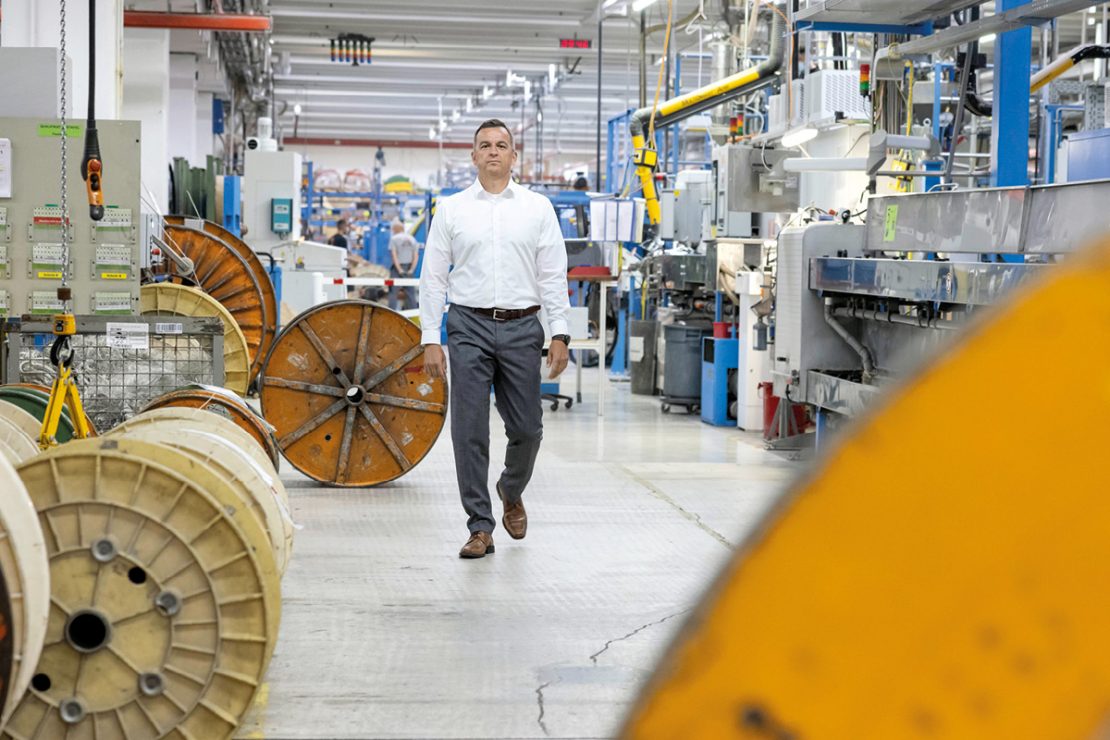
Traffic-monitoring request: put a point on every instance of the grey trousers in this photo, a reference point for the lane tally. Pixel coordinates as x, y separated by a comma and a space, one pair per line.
506, 355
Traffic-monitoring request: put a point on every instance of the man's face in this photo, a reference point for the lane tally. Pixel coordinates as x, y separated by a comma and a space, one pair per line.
493, 152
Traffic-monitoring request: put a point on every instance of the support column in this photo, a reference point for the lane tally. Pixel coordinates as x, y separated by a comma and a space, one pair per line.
34, 23
146, 98
1010, 123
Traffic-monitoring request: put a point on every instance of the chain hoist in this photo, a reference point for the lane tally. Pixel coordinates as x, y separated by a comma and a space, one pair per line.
64, 390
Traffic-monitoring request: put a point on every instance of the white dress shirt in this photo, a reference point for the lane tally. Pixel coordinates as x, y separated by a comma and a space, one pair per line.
506, 250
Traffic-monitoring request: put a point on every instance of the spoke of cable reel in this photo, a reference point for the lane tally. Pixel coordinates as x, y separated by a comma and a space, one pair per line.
312, 424
363, 341
345, 445
406, 403
325, 354
387, 438
296, 385
389, 371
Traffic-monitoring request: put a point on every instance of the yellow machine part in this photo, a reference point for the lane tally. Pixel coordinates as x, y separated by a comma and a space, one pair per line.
943, 571
210, 419
257, 487
165, 597
179, 300
647, 182
27, 575
14, 444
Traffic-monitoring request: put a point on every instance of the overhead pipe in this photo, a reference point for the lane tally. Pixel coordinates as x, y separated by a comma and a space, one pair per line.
197, 21
670, 112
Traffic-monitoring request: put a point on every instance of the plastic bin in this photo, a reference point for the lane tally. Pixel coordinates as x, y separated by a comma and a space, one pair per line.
682, 368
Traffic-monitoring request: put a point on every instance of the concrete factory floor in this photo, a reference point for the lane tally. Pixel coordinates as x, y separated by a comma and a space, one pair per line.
387, 634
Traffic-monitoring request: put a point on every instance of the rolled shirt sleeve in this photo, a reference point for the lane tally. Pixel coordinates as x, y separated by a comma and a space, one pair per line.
433, 276
551, 273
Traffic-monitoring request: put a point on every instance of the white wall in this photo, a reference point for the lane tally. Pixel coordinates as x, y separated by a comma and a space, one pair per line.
183, 108
204, 140
36, 23
146, 98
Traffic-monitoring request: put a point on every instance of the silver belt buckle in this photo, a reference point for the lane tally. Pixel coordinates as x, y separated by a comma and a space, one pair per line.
497, 314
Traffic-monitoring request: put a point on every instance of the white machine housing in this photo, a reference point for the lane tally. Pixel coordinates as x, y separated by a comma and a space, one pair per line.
803, 341
309, 272
268, 175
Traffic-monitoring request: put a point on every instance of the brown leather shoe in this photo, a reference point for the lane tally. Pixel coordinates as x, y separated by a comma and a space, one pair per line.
479, 545
515, 519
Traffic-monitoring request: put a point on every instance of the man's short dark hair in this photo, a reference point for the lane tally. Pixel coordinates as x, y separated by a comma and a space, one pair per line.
340, 223
495, 123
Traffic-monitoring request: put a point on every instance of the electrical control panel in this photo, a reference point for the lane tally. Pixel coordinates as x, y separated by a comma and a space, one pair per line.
104, 257
281, 215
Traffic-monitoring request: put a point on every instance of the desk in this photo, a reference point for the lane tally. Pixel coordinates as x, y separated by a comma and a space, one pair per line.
598, 344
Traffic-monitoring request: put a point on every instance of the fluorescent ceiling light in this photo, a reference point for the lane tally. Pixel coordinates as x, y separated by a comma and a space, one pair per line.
988, 39
297, 109
798, 136
432, 133
638, 5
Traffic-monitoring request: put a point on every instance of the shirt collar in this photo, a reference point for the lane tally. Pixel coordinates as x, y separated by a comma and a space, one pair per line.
508, 192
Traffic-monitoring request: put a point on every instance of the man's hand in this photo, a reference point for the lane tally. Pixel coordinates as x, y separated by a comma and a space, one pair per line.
557, 357
435, 361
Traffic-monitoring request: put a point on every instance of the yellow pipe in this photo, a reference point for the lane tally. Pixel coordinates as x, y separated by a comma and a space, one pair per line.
647, 181
1050, 73
674, 105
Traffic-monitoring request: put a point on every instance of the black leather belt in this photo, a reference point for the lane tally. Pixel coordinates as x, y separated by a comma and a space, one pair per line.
504, 314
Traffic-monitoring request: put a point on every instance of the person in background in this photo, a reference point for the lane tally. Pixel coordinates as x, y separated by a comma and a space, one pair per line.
581, 184
339, 238
405, 253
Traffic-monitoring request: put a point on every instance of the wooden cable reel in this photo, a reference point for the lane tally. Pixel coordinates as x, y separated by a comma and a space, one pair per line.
44, 391
21, 419
229, 271
226, 429
221, 403
202, 417
34, 402
346, 391
27, 579
165, 604
178, 300
15, 445
258, 487
7, 647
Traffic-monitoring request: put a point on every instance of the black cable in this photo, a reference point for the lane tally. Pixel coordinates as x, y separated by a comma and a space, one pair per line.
92, 63
91, 165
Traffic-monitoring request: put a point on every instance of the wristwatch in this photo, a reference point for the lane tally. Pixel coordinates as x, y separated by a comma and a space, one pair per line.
564, 338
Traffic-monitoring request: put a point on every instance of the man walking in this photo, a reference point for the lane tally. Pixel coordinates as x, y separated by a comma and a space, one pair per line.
508, 259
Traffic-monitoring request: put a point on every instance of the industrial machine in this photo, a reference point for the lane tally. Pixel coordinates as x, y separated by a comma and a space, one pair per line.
856, 308
104, 255
271, 188
311, 274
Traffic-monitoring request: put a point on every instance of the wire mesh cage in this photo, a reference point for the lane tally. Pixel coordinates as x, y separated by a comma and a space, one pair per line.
121, 363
